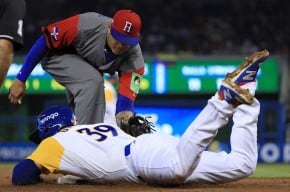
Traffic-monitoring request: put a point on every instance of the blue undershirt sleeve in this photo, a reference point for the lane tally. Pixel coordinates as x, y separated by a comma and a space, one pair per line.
124, 104
34, 56
25, 173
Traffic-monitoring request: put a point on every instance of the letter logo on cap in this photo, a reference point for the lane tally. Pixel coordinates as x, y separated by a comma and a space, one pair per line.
128, 27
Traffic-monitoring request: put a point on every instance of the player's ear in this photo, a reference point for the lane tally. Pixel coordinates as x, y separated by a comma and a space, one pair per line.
109, 28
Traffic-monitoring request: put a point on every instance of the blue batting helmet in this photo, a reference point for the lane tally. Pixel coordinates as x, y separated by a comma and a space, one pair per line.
51, 120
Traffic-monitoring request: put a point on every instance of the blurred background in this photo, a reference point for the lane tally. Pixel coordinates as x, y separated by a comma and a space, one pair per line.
188, 47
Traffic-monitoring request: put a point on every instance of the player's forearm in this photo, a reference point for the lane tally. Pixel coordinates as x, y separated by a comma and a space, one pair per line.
124, 109
34, 56
124, 104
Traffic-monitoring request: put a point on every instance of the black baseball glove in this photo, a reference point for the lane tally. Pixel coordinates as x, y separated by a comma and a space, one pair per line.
137, 125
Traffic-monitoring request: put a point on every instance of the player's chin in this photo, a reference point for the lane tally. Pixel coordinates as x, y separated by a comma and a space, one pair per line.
119, 51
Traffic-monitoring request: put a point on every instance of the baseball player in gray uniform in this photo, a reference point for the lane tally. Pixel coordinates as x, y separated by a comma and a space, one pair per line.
77, 51
11, 22
104, 153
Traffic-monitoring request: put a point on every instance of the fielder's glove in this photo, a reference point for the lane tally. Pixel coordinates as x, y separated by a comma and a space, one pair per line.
137, 125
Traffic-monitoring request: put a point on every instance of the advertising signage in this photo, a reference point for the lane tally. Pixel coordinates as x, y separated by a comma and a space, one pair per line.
202, 76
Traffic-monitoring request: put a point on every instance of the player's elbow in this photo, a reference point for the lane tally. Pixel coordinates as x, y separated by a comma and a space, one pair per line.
25, 173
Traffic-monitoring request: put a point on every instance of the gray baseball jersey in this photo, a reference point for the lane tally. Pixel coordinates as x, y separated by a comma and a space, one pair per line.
77, 59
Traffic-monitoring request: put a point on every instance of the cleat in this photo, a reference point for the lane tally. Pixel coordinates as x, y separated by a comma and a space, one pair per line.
71, 179
234, 94
247, 71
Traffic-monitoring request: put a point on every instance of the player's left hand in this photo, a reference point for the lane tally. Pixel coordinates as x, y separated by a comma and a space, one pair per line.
137, 125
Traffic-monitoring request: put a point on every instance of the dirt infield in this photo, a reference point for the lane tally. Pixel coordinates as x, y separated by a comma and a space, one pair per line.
49, 184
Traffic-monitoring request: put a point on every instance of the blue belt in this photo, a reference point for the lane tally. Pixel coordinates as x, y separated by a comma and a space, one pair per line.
127, 149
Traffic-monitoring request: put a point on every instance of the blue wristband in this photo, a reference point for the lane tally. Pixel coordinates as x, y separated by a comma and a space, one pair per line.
124, 104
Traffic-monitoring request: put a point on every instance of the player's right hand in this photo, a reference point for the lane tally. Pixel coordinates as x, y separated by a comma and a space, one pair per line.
16, 92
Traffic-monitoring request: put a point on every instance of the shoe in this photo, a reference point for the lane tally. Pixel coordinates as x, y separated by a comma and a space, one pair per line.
71, 179
234, 94
247, 71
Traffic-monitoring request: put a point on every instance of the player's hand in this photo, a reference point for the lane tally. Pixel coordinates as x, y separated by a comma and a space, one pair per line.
16, 92
137, 125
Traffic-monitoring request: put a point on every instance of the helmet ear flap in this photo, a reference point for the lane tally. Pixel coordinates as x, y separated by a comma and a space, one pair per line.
35, 137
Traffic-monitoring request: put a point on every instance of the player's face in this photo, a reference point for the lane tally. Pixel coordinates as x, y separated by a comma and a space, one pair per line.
117, 47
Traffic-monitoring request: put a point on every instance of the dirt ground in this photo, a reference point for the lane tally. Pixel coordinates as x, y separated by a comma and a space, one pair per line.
49, 184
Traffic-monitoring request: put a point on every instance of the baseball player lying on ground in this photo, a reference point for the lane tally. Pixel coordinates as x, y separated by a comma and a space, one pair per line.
104, 153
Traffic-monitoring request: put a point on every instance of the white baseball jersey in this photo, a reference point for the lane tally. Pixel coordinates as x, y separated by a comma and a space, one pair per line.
90, 151
104, 152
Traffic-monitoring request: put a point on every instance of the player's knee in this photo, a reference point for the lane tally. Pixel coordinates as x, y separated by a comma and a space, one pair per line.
172, 176
6, 47
247, 166
174, 179
179, 175
251, 167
